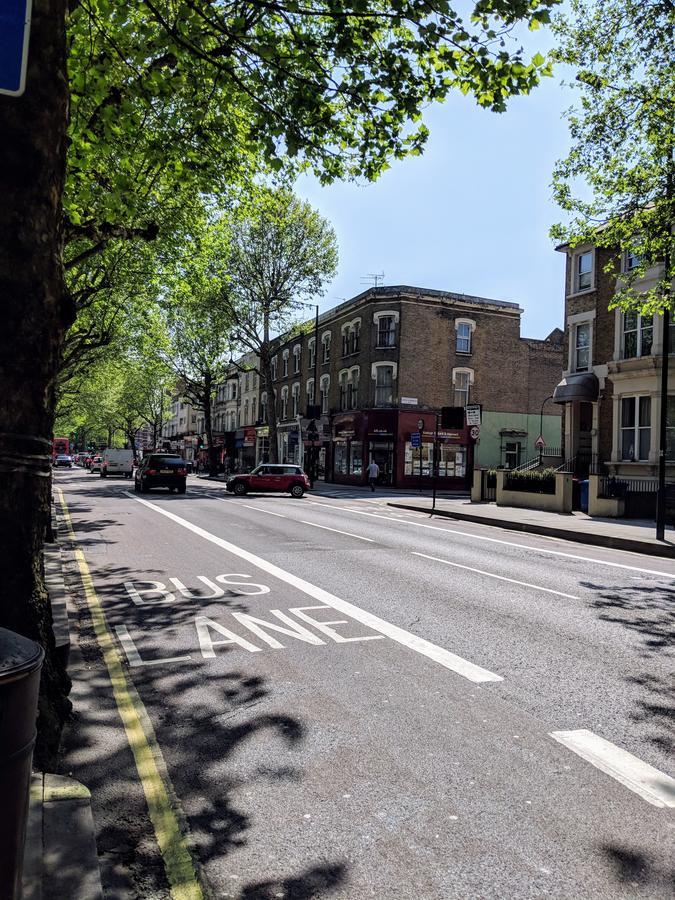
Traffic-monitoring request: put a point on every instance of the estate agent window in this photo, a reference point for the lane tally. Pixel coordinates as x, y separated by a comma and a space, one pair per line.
582, 347
635, 428
638, 331
583, 271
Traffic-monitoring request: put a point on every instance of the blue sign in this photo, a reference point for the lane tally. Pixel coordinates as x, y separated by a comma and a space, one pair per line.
415, 440
14, 34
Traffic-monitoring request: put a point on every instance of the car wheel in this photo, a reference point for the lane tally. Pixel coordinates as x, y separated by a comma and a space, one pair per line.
240, 489
297, 490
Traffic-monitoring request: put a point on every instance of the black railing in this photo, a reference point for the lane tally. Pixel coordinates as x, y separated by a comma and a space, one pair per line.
610, 486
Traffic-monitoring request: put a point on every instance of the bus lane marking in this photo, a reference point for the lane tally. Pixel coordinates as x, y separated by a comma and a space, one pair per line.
420, 645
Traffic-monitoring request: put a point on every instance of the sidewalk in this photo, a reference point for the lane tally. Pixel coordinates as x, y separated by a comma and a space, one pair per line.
634, 535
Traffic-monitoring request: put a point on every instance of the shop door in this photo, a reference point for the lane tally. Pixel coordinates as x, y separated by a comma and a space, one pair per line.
382, 453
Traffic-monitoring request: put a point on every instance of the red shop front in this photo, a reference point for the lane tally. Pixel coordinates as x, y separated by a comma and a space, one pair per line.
384, 435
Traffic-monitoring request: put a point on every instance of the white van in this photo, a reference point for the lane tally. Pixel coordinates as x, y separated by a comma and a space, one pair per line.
117, 462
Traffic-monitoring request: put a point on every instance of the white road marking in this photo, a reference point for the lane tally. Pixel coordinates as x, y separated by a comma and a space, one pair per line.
653, 786
438, 654
337, 531
492, 575
134, 657
481, 537
256, 508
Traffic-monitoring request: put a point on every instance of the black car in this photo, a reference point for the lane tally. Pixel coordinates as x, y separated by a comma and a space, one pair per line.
161, 470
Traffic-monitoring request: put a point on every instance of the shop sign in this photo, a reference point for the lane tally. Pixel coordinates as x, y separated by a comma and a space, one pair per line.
472, 413
409, 401
450, 435
264, 431
249, 437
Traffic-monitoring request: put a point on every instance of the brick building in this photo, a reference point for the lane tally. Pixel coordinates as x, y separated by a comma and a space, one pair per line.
393, 356
611, 384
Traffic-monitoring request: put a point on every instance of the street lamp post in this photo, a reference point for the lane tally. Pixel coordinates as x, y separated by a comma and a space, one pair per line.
663, 432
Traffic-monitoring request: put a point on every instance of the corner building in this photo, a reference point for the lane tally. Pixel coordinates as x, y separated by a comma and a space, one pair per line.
391, 357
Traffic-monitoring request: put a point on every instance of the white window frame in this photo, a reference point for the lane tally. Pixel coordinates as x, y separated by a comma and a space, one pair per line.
297, 355
385, 314
636, 428
343, 386
462, 370
639, 328
311, 347
324, 394
284, 364
273, 366
394, 374
576, 275
626, 257
326, 339
284, 402
353, 387
472, 327
295, 397
309, 392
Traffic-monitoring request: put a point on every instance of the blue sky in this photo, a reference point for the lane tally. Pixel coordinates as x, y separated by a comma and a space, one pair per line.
471, 215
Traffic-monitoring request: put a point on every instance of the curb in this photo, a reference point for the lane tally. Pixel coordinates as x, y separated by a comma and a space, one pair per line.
597, 540
61, 859
56, 588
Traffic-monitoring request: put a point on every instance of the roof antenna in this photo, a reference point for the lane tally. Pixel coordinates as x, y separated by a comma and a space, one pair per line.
374, 279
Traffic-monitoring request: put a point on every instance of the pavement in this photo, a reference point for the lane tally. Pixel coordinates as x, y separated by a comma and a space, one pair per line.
634, 535
334, 697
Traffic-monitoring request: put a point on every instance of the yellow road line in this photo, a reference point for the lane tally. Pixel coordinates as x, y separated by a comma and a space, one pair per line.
178, 863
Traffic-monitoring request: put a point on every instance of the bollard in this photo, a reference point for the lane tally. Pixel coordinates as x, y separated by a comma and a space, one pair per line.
20, 664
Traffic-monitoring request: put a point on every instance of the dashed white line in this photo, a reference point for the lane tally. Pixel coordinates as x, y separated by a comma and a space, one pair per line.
649, 783
337, 531
258, 509
482, 537
437, 654
537, 587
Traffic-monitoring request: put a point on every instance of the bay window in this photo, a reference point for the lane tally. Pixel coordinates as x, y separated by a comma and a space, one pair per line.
637, 337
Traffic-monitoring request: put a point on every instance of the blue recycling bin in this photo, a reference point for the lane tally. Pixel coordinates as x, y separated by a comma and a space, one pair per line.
583, 495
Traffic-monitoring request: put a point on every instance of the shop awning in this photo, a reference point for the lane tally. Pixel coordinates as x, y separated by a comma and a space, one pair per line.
579, 386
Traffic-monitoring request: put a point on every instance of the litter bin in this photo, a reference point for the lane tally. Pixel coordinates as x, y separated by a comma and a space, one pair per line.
583, 495
20, 664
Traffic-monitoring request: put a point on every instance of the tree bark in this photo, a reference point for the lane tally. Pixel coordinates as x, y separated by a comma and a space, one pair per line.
208, 426
36, 312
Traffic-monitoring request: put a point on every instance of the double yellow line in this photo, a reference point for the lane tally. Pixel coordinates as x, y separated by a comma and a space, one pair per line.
164, 815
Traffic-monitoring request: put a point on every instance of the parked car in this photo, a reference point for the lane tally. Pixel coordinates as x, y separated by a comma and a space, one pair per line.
270, 477
63, 461
117, 462
161, 470
96, 463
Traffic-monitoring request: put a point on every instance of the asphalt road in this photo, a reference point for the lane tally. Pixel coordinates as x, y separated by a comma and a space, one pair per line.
352, 701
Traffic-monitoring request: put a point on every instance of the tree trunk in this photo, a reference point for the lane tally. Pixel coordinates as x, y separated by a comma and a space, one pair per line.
266, 365
208, 426
36, 312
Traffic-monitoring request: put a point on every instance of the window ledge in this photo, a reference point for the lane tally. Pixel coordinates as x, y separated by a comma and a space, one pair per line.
581, 292
388, 347
463, 352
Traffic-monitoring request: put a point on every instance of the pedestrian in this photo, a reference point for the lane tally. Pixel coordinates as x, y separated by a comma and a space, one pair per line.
373, 472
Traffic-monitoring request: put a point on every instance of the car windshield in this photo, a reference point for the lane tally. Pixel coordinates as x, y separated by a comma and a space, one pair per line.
166, 461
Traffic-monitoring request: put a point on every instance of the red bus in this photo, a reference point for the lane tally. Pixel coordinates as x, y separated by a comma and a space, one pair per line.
60, 445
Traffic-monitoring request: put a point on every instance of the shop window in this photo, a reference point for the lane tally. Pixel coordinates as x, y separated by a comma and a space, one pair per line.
582, 347
341, 458
413, 455
384, 386
638, 331
635, 428
356, 458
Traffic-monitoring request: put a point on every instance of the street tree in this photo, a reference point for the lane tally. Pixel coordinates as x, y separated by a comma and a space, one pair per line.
280, 255
617, 182
165, 94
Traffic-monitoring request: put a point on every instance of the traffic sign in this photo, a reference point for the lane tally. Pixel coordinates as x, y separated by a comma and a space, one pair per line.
472, 412
540, 443
415, 440
14, 35
475, 432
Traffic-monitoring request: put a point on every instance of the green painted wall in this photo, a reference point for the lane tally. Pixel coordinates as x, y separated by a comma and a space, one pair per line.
488, 454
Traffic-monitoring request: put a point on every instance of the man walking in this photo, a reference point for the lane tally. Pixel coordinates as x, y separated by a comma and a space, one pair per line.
373, 472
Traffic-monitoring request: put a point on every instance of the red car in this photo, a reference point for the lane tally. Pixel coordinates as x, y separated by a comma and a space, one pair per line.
269, 477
